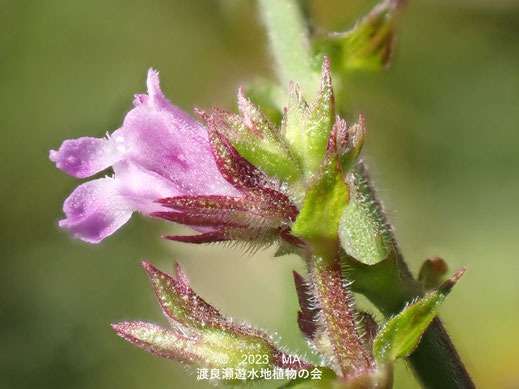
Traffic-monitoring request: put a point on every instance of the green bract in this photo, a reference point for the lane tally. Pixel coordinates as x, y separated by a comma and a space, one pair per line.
307, 128
401, 334
368, 45
363, 230
325, 200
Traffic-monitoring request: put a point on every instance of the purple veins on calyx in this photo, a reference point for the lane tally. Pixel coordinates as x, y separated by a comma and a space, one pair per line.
199, 334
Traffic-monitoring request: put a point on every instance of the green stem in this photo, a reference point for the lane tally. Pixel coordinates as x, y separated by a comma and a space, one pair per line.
288, 35
436, 362
389, 285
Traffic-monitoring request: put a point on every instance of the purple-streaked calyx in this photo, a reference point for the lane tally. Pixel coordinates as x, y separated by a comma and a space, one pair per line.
199, 334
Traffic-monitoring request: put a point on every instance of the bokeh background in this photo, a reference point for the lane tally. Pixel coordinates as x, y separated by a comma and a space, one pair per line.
442, 147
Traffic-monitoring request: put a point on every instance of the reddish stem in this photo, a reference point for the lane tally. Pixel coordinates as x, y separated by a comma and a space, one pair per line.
336, 303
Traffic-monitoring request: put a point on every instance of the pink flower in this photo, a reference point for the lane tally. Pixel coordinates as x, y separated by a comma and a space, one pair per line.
159, 152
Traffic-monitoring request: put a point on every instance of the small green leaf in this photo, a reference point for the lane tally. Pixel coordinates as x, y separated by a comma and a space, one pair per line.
368, 45
400, 335
325, 200
318, 123
363, 231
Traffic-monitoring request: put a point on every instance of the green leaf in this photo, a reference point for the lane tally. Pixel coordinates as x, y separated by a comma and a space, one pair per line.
325, 200
210, 349
363, 230
368, 45
400, 335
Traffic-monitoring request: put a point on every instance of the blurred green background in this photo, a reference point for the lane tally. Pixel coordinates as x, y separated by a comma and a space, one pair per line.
442, 146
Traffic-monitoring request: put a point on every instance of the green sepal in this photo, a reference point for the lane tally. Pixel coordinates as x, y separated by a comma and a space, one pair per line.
199, 334
273, 164
368, 45
351, 140
269, 96
363, 230
257, 140
325, 201
307, 128
401, 334
209, 349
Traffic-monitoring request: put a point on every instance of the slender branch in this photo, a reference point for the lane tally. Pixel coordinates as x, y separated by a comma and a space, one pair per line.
288, 35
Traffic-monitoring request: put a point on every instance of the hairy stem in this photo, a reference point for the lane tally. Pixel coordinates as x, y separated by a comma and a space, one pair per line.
389, 284
336, 304
288, 36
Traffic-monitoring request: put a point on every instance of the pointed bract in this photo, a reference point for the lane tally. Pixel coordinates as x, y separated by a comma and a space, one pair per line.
207, 237
351, 140
363, 230
239, 172
325, 200
402, 333
255, 139
178, 301
368, 45
307, 128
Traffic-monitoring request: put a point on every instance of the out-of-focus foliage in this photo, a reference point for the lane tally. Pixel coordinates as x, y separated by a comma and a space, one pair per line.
442, 146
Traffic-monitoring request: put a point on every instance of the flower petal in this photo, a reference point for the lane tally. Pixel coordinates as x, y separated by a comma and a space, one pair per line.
95, 210
85, 156
163, 139
141, 188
